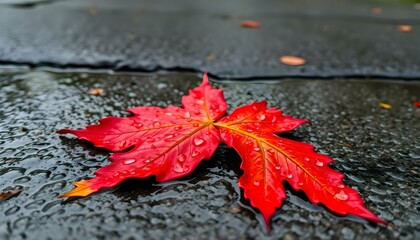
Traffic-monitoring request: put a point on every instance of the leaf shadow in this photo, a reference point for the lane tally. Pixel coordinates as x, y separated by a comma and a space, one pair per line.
87, 146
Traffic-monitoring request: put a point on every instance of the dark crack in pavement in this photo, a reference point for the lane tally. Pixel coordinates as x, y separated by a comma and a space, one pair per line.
377, 149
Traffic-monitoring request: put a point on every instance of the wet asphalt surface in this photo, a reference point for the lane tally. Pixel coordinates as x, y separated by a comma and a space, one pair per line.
377, 149
162, 47
338, 38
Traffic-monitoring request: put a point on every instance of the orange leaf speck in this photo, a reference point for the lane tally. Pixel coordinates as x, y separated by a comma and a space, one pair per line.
292, 60
96, 91
376, 10
250, 24
405, 28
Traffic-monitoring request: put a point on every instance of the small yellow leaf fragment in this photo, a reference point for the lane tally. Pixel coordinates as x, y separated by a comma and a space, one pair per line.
82, 189
385, 106
96, 91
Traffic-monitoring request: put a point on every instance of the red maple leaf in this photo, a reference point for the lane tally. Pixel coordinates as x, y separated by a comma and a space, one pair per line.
170, 142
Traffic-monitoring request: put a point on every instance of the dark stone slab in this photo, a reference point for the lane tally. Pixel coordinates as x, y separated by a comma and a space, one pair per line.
338, 38
377, 149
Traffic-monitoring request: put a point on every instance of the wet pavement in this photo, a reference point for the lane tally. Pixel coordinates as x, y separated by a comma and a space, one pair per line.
377, 149
161, 48
337, 37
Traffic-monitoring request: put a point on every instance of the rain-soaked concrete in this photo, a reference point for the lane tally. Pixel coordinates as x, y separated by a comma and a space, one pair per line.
336, 37
377, 149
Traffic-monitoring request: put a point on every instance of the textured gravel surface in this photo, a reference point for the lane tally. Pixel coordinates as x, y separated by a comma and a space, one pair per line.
337, 38
374, 147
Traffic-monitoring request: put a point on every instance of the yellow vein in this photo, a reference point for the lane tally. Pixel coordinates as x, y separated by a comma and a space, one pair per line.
278, 149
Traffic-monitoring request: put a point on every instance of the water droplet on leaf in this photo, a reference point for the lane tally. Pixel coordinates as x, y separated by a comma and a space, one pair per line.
342, 196
274, 119
319, 163
195, 153
181, 157
257, 149
180, 169
168, 136
261, 117
129, 161
198, 141
123, 144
